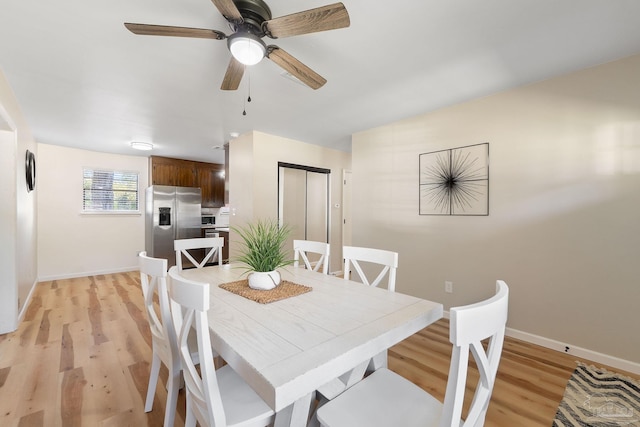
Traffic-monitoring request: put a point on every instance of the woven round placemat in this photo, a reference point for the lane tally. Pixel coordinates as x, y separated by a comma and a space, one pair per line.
284, 290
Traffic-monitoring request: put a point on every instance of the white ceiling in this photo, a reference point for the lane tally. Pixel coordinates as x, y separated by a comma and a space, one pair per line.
83, 80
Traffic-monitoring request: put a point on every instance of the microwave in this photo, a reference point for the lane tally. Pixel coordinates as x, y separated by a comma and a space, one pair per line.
208, 216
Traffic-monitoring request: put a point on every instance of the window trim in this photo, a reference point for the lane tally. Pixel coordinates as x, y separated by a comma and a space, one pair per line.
84, 211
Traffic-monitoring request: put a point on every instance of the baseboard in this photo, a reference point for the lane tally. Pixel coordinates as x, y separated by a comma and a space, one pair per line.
567, 348
86, 274
25, 305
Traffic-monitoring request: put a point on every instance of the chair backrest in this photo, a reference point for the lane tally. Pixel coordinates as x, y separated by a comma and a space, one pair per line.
189, 305
212, 245
302, 249
353, 255
153, 278
469, 325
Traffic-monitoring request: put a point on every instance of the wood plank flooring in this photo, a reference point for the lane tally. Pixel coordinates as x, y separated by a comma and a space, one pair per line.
81, 357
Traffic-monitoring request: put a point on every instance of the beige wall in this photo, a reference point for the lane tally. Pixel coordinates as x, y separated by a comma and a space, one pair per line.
564, 223
71, 244
18, 261
253, 180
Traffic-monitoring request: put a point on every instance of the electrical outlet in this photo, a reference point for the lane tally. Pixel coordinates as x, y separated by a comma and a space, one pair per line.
448, 287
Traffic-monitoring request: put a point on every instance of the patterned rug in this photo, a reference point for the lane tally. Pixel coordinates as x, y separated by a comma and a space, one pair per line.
595, 397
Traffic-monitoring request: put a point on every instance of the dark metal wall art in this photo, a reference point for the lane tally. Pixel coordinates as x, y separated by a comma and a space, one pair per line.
455, 181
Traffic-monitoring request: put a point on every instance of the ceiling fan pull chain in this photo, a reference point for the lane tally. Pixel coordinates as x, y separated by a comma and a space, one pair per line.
244, 106
244, 112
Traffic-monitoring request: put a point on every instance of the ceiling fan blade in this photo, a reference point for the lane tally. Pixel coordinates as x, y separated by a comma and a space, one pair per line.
296, 68
233, 76
229, 10
165, 30
323, 18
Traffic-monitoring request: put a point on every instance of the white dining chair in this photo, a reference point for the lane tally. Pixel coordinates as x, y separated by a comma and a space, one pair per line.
211, 245
320, 250
220, 397
354, 255
386, 399
153, 278
388, 261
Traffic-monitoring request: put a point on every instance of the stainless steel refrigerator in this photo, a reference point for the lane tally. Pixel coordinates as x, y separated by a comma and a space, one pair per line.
171, 213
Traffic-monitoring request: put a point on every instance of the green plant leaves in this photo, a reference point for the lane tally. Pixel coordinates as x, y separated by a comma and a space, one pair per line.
263, 245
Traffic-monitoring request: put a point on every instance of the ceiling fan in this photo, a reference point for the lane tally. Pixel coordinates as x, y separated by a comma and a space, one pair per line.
250, 21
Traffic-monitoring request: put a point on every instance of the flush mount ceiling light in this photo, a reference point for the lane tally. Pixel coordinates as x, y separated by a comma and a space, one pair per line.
247, 48
146, 146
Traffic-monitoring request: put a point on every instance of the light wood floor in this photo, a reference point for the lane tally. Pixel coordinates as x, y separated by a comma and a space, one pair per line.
81, 358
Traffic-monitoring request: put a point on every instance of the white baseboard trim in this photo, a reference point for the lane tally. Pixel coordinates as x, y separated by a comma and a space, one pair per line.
86, 274
26, 303
584, 353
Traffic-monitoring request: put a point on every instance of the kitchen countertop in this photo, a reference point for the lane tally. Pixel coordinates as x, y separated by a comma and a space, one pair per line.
215, 227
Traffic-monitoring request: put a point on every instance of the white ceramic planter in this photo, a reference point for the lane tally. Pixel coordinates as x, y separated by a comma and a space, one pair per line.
264, 280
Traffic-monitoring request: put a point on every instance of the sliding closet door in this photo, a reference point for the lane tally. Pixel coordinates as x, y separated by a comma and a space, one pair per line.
293, 183
316, 206
303, 202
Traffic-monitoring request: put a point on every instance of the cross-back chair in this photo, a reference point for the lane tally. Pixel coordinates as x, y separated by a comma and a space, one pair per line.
153, 278
212, 245
354, 255
303, 248
386, 399
219, 398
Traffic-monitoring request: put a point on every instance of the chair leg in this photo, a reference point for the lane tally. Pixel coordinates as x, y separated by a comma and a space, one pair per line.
173, 385
190, 420
153, 382
313, 416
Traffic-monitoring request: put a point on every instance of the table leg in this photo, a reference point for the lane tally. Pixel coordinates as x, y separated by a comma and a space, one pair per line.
378, 361
295, 415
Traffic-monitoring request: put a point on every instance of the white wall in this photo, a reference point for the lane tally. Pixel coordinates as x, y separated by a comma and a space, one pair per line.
253, 180
564, 223
71, 244
18, 261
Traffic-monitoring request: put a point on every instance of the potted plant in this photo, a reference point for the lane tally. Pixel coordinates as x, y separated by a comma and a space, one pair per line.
262, 252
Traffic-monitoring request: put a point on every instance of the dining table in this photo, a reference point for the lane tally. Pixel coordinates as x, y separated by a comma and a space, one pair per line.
287, 349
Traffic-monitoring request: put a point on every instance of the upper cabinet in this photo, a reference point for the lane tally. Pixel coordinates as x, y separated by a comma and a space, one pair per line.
210, 177
186, 173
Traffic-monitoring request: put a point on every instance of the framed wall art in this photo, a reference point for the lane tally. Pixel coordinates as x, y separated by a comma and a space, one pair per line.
455, 181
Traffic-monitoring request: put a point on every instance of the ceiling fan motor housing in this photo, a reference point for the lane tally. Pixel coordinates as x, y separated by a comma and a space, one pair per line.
254, 13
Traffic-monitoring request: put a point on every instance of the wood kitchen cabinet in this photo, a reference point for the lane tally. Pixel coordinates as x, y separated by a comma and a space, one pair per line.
186, 173
225, 248
210, 177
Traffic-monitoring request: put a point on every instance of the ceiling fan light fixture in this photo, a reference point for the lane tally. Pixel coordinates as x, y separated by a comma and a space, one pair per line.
247, 48
145, 146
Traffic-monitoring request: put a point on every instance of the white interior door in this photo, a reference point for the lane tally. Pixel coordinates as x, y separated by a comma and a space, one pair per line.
346, 208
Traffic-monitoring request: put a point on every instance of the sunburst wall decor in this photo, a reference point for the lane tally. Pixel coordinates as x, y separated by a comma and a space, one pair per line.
455, 181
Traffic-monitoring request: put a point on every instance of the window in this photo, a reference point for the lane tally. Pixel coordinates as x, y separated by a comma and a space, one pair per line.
105, 191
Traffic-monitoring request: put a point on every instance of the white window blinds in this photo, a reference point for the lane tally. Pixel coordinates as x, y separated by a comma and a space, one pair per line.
109, 191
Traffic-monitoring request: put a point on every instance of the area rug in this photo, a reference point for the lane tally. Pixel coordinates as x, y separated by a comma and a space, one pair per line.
595, 397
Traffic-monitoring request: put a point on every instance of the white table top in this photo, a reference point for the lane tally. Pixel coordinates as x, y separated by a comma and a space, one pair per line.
289, 348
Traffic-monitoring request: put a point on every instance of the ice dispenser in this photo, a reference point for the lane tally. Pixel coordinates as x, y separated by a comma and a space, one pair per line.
165, 216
